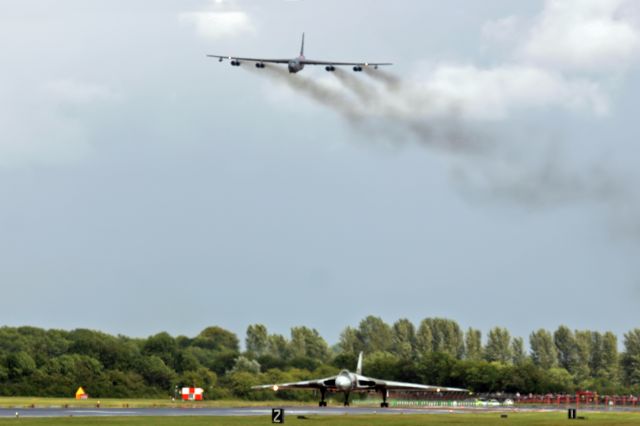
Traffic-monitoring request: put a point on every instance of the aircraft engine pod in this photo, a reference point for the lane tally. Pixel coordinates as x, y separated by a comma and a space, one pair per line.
235, 63
330, 68
357, 68
259, 65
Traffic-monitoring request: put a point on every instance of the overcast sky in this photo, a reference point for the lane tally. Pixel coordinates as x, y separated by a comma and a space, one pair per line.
490, 179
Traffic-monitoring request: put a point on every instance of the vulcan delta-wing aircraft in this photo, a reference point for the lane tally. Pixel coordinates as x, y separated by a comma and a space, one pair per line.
348, 382
298, 63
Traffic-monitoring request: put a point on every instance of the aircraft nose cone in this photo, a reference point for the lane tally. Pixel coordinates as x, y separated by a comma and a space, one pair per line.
343, 383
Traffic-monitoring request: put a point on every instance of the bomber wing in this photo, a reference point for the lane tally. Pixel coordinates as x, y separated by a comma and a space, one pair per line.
361, 64
328, 383
238, 58
371, 383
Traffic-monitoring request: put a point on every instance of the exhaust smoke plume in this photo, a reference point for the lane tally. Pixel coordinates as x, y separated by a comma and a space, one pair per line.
364, 92
490, 164
409, 115
391, 82
315, 91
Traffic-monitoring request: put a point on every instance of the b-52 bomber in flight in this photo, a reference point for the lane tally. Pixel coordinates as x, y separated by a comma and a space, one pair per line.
297, 64
347, 382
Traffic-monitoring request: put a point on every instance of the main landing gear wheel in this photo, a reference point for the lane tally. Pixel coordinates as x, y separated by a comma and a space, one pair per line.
384, 403
323, 395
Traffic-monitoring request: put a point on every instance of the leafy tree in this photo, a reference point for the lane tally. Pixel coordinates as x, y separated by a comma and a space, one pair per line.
610, 358
446, 336
20, 364
436, 368
269, 361
375, 334
257, 340
603, 359
278, 346
582, 369
157, 373
596, 358
4, 372
163, 346
246, 364
424, 338
517, 351
95, 344
543, 350
221, 362
306, 342
480, 376
304, 363
54, 362
12, 341
631, 357
199, 378
404, 339
473, 344
566, 348
559, 380
344, 360
217, 339
240, 382
498, 345
187, 360
120, 384
526, 378
350, 341
381, 364
183, 342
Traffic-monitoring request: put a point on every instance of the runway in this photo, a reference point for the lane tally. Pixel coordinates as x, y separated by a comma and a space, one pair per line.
213, 412
258, 411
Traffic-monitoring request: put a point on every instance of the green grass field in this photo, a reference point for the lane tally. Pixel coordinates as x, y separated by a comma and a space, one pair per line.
537, 419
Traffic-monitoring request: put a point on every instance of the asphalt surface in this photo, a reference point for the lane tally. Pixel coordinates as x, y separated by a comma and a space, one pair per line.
246, 411
251, 411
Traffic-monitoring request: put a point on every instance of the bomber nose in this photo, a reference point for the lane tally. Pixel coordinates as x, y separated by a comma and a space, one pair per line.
343, 383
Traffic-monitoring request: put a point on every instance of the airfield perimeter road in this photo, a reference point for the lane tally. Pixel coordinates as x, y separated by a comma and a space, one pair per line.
247, 411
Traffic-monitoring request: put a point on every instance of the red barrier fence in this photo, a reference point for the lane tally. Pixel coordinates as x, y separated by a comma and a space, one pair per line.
580, 398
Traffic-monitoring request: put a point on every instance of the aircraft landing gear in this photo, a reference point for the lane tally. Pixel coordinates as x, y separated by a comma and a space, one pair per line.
384, 403
322, 402
346, 399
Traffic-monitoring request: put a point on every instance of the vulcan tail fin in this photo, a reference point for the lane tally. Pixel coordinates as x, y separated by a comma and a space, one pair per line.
302, 46
359, 367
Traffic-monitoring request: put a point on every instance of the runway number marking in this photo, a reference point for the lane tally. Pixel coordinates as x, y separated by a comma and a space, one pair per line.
277, 415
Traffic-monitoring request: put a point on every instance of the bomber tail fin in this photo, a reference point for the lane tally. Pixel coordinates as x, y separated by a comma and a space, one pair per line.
359, 367
302, 46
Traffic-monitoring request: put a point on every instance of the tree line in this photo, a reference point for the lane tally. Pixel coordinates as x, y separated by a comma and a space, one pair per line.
39, 362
